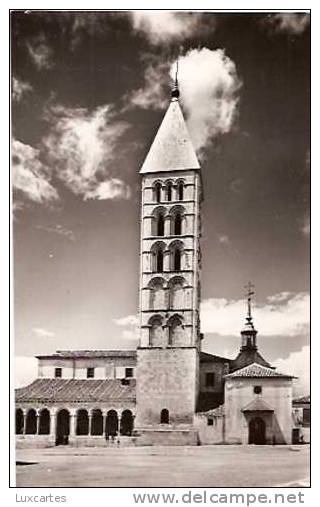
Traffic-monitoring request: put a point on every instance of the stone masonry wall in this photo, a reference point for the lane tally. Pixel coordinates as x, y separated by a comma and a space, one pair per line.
166, 379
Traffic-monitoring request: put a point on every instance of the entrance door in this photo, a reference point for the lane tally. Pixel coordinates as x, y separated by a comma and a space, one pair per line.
257, 431
63, 427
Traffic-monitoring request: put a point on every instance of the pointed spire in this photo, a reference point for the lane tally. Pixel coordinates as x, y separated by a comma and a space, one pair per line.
172, 148
248, 353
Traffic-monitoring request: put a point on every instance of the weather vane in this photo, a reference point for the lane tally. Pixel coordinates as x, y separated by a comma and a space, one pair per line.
175, 91
249, 292
177, 70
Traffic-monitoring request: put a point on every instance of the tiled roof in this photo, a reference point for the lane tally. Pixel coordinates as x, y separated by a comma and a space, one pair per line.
256, 370
218, 411
303, 399
205, 357
246, 357
89, 354
171, 149
63, 390
257, 405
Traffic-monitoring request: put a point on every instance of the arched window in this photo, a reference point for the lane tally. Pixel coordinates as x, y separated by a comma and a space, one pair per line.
126, 423
169, 191
177, 216
157, 254
156, 332
164, 416
177, 225
176, 293
82, 422
180, 191
157, 293
97, 422
31, 422
19, 421
176, 331
157, 192
44, 422
176, 253
160, 225
158, 221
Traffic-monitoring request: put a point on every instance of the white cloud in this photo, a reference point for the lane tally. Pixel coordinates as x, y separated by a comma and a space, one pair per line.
152, 94
286, 314
43, 333
40, 52
110, 189
19, 89
297, 364
167, 26
81, 146
130, 323
305, 228
25, 370
209, 87
224, 239
29, 175
293, 23
58, 229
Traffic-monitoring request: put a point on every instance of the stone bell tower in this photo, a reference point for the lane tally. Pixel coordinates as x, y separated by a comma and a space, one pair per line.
170, 258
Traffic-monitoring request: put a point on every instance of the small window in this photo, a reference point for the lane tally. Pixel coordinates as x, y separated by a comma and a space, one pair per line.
159, 261
164, 416
90, 372
129, 372
157, 192
210, 379
257, 389
169, 191
210, 421
180, 191
58, 372
177, 224
160, 225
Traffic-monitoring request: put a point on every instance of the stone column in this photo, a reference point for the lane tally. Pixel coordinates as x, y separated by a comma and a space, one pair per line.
167, 226
90, 422
38, 421
53, 422
73, 422
23, 429
166, 260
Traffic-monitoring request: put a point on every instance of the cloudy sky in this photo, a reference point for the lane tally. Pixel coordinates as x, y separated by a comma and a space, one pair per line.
89, 91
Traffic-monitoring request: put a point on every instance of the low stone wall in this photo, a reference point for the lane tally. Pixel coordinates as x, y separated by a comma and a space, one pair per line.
164, 437
44, 441
35, 441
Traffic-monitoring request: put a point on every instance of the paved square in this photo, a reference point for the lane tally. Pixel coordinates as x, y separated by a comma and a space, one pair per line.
205, 466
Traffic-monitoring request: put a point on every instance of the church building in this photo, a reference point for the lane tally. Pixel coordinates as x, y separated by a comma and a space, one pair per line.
167, 391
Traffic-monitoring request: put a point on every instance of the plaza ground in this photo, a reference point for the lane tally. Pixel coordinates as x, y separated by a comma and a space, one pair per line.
205, 466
